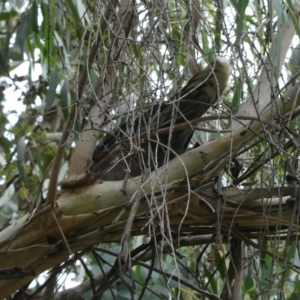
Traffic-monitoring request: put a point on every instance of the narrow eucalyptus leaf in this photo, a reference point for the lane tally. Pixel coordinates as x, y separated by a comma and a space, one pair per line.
53, 82
64, 94
21, 148
22, 32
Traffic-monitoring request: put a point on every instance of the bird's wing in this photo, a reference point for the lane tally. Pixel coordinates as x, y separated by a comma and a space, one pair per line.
127, 130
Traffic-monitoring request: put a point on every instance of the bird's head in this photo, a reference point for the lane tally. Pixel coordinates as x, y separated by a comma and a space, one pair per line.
222, 69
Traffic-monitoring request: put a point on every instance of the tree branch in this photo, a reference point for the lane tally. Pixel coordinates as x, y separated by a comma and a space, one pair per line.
86, 144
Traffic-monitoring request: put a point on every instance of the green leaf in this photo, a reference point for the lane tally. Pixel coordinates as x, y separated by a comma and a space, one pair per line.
21, 148
94, 77
295, 60
45, 23
249, 283
3, 64
4, 53
53, 82
7, 16
5, 144
64, 95
78, 124
294, 16
241, 8
73, 10
22, 32
34, 17
236, 99
30, 48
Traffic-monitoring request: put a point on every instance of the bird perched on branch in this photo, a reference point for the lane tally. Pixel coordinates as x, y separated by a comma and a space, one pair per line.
150, 139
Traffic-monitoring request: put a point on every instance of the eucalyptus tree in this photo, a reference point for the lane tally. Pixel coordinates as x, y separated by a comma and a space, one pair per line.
124, 169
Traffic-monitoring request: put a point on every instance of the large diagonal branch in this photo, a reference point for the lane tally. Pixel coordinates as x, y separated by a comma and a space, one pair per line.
37, 230
110, 194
